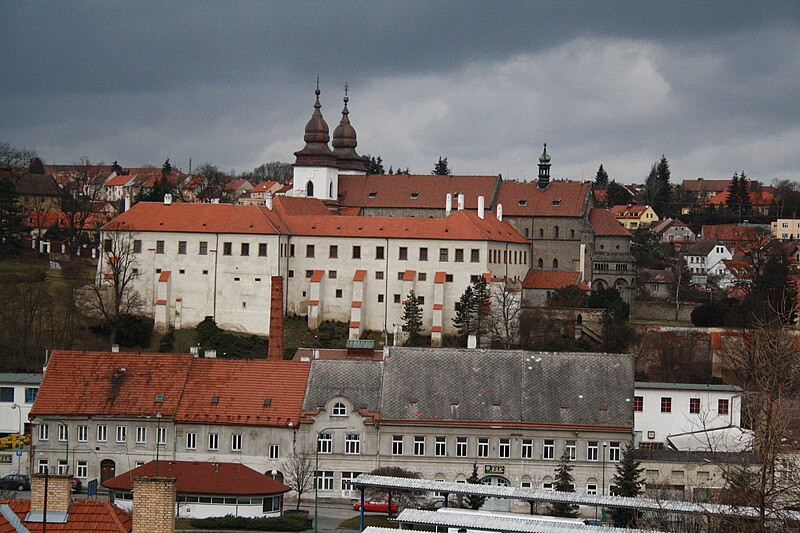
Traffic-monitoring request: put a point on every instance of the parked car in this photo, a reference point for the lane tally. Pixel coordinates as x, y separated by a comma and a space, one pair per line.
15, 482
376, 504
434, 505
77, 486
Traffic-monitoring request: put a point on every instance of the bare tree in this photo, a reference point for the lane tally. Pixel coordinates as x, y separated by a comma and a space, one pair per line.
274, 170
299, 473
112, 289
215, 182
17, 160
82, 190
505, 315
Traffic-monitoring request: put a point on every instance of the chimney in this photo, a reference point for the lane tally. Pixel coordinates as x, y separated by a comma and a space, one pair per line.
275, 350
115, 348
168, 199
500, 212
58, 493
127, 202
154, 505
210, 354
472, 342
481, 206
268, 200
448, 204
195, 351
461, 201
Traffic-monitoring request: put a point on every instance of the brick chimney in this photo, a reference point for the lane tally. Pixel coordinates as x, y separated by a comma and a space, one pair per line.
275, 351
58, 493
154, 504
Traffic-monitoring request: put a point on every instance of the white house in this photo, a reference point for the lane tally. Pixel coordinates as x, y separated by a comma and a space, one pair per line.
689, 416
705, 257
17, 393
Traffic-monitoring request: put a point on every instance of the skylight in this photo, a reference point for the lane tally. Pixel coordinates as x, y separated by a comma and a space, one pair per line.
159, 397
414, 195
523, 202
267, 402
215, 400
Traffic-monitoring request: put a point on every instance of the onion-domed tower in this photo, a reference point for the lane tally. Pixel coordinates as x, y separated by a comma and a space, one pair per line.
315, 171
344, 144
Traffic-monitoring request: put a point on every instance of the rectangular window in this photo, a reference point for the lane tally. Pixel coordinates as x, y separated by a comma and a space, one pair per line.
614, 452
236, 442
356, 252
474, 256
526, 451
44, 432
444, 255
348, 478
159, 247
397, 298
571, 447
333, 252
182, 247
325, 443
141, 435
262, 249
83, 433
203, 248
7, 394
422, 276
694, 405
121, 434
332, 274
549, 449
245, 248
380, 298
30, 394
483, 447
419, 445
504, 450
137, 246
102, 433
291, 250
63, 433
638, 404
461, 446
62, 467
324, 479
309, 273
423, 254
379, 252
309, 250
379, 274
213, 441
723, 407
402, 254
43, 465
666, 404
591, 450
161, 436
227, 248
107, 245
191, 441
274, 451
421, 300
591, 489
82, 470
459, 255
400, 276
338, 293
352, 444
397, 445
440, 447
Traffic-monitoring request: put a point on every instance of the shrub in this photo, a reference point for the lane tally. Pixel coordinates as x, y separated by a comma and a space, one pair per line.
133, 331
280, 523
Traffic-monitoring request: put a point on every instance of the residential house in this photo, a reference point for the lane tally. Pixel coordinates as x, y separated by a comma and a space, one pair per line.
634, 216
39, 192
736, 237
17, 394
613, 265
256, 195
733, 274
786, 228
539, 286
658, 283
673, 231
761, 201
704, 258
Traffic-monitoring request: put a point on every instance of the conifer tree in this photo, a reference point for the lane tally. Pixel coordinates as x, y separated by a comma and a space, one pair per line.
464, 320
732, 201
601, 179
11, 228
473, 501
664, 190
744, 193
412, 319
564, 482
482, 306
441, 168
166, 169
37, 167
628, 482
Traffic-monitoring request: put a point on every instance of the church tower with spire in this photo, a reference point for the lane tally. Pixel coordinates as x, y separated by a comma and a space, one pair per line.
315, 166
544, 169
344, 144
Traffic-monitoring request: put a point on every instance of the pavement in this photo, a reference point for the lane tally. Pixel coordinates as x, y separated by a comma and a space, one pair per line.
330, 514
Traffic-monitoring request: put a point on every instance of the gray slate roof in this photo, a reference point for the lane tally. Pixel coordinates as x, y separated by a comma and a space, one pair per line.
38, 185
20, 378
358, 381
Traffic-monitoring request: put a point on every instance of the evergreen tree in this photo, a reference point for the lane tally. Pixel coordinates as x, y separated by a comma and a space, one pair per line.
11, 228
601, 179
166, 169
564, 482
37, 167
664, 189
733, 201
412, 319
156, 192
374, 165
482, 306
464, 319
616, 194
744, 193
628, 482
474, 501
441, 168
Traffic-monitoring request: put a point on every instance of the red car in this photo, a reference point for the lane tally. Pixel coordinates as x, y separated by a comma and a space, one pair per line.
376, 504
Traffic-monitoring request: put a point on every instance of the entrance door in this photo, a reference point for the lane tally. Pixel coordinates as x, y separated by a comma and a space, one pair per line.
496, 504
107, 470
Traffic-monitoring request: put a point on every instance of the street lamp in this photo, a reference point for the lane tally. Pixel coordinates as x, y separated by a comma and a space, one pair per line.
316, 473
19, 432
605, 445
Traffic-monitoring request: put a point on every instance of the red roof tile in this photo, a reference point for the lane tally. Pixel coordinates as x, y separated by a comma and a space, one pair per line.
349, 211
729, 233
357, 305
422, 192
541, 279
360, 275
164, 276
704, 185
317, 276
409, 275
295, 206
264, 186
438, 307
194, 477
760, 198
440, 277
627, 211
119, 181
559, 199
354, 324
84, 515
604, 223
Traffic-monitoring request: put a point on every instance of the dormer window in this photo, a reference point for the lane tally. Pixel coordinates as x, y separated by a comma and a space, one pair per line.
557, 203
339, 409
373, 194
523, 202
414, 195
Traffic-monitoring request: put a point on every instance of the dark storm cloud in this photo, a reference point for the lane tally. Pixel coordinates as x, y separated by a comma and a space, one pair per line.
713, 85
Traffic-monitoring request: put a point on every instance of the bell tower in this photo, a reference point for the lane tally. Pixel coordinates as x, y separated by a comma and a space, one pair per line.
315, 169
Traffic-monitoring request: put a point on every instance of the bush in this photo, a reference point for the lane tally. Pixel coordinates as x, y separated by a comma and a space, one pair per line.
227, 344
280, 523
715, 315
133, 331
167, 343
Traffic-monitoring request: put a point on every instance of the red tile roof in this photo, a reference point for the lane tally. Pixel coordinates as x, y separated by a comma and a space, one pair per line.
627, 211
230, 479
760, 198
409, 275
739, 269
242, 388
422, 192
703, 185
317, 276
729, 233
293, 206
440, 277
264, 186
120, 181
604, 223
559, 199
237, 183
164, 275
349, 211
360, 275
542, 279
84, 515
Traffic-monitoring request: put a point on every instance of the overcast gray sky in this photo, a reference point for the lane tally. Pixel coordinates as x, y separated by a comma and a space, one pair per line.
713, 85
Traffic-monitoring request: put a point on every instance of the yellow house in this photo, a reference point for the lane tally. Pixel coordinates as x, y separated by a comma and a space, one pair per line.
634, 216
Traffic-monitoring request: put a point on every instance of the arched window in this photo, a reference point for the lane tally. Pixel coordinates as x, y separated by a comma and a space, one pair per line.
540, 263
555, 264
330, 190
555, 232
572, 234
310, 188
541, 233
339, 409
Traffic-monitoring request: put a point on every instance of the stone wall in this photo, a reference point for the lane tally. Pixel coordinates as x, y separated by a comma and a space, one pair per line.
649, 310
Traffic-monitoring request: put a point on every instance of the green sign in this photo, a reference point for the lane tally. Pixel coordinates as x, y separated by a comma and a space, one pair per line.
494, 469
